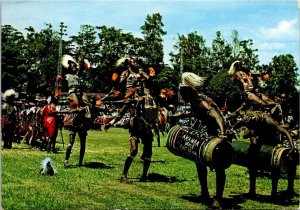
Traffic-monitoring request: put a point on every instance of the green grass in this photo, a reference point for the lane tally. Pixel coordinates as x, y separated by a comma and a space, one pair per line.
173, 183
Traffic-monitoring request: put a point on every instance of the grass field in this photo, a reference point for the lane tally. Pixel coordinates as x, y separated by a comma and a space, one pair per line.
172, 182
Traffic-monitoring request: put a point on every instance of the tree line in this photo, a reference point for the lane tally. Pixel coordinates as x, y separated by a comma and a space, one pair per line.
30, 61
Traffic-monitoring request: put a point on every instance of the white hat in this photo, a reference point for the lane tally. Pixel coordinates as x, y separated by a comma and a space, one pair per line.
66, 59
121, 61
8, 93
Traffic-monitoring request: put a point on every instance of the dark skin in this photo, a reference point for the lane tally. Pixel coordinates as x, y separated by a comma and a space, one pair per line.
145, 134
242, 75
134, 99
77, 100
264, 130
204, 108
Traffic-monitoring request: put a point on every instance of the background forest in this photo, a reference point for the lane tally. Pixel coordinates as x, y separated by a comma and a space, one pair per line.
30, 62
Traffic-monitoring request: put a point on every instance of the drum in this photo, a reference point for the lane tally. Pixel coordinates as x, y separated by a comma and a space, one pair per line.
269, 156
196, 146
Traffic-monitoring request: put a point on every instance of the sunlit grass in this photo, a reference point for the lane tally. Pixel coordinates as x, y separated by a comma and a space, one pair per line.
173, 183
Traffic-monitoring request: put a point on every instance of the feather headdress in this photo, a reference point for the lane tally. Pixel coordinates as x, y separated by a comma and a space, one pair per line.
192, 80
8, 93
66, 59
47, 168
122, 61
232, 69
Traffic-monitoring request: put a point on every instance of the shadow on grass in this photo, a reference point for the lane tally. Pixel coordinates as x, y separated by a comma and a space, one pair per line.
158, 161
154, 177
97, 165
268, 175
94, 165
228, 203
279, 200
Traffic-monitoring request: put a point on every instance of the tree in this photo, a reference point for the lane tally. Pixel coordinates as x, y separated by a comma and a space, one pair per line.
192, 55
221, 52
284, 80
41, 52
13, 58
222, 89
86, 41
152, 50
113, 45
283, 75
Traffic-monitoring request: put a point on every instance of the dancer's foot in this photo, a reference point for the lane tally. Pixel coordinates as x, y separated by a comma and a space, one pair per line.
66, 164
124, 179
143, 179
216, 204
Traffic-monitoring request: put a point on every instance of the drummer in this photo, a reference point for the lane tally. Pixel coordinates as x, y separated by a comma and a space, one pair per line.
204, 108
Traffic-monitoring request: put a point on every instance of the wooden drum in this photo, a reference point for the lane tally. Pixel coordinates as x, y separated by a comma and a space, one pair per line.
193, 145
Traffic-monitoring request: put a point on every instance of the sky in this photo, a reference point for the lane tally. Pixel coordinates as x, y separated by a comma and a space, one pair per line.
272, 24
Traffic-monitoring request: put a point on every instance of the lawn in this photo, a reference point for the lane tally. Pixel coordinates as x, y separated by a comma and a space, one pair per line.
172, 182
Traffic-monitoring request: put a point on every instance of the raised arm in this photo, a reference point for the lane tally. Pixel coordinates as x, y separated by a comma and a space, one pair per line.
118, 117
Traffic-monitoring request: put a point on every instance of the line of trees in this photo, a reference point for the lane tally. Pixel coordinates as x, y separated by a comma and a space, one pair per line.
30, 61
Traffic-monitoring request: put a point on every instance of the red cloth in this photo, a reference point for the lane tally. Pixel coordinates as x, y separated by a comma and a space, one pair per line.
49, 120
49, 116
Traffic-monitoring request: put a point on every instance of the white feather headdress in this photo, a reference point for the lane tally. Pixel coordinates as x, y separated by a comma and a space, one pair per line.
8, 93
192, 80
232, 69
66, 59
121, 61
47, 168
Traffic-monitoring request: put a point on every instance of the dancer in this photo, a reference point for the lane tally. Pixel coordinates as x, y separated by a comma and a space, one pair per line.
142, 120
204, 109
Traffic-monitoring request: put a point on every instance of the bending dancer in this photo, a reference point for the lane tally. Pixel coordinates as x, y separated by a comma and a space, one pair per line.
264, 130
239, 71
205, 110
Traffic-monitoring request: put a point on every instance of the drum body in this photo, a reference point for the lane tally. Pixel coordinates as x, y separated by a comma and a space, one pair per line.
269, 156
193, 145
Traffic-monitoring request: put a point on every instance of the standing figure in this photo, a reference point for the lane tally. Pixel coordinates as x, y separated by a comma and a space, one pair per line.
79, 102
264, 130
142, 120
239, 71
132, 74
8, 118
204, 109
50, 123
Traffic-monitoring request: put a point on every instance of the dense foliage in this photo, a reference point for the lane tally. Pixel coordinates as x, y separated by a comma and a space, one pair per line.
30, 61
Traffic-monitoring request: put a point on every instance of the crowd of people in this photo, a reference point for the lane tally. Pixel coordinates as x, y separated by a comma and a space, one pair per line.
132, 93
37, 122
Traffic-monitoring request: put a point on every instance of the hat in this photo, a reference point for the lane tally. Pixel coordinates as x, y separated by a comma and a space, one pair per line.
122, 61
9, 93
66, 59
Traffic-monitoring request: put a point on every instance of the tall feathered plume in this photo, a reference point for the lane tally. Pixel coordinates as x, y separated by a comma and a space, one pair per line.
192, 80
66, 59
232, 69
47, 167
121, 61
